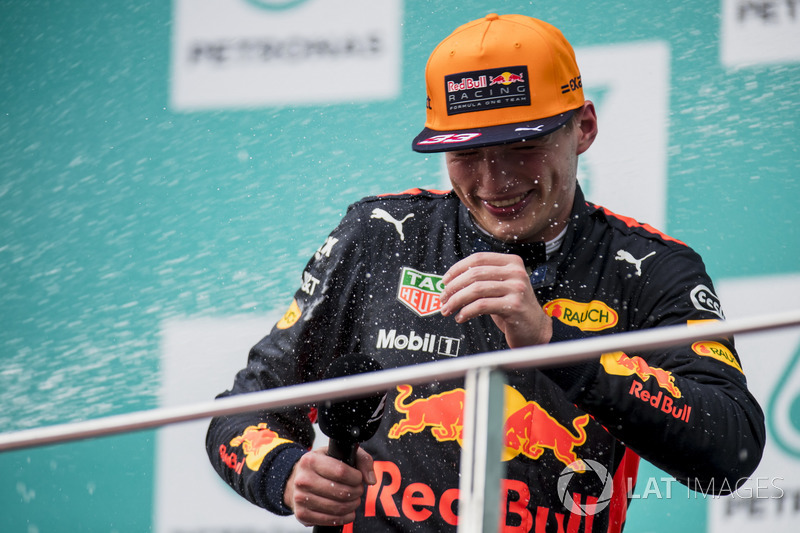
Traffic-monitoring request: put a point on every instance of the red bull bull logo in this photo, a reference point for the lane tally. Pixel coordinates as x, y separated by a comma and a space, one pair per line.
507, 78
529, 429
256, 442
619, 364
442, 413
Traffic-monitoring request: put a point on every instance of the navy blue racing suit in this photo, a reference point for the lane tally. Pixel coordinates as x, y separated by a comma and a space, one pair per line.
372, 287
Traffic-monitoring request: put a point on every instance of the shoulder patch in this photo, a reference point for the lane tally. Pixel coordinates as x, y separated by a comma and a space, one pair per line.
717, 351
291, 316
704, 299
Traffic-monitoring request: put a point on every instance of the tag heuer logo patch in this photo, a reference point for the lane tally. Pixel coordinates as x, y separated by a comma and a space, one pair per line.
420, 291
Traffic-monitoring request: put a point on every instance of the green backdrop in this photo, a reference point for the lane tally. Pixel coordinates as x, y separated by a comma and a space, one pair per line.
117, 213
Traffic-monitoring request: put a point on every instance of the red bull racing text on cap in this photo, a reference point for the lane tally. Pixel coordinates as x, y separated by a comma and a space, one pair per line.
498, 80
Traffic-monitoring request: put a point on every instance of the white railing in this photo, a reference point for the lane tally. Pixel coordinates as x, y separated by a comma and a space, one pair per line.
479, 493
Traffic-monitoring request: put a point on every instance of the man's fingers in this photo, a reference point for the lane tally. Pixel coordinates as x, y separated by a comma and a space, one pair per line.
316, 511
337, 501
325, 490
311, 508
365, 465
474, 293
497, 285
501, 305
480, 267
335, 470
509, 288
479, 259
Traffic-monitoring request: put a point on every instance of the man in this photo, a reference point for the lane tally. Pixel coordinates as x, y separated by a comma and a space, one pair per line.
513, 256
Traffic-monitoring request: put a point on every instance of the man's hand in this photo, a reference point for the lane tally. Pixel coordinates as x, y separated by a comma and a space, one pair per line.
324, 491
497, 285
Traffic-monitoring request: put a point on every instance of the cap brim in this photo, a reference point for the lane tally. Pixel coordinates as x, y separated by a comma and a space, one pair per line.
429, 141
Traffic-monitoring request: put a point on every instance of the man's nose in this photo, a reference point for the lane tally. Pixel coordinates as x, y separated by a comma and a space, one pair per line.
492, 167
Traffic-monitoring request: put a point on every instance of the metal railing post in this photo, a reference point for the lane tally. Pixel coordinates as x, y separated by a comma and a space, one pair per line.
481, 451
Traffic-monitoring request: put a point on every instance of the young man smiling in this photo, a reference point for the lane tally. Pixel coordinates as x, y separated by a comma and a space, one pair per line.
519, 192
512, 256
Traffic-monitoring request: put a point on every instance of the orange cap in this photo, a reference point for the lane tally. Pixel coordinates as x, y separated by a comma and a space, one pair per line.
497, 80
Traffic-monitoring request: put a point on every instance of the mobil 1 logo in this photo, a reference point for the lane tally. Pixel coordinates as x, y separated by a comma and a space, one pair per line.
418, 342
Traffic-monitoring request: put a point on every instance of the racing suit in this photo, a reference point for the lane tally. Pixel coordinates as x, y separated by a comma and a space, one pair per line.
372, 287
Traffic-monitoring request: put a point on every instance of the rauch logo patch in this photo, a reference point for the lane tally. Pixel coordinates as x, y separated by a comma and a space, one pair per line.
717, 351
586, 316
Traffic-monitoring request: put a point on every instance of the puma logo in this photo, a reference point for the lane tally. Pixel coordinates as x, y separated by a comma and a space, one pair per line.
398, 224
623, 255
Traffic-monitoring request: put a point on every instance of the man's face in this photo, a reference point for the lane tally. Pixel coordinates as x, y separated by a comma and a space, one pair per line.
522, 192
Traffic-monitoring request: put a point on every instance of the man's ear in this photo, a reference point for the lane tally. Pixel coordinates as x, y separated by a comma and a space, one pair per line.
586, 126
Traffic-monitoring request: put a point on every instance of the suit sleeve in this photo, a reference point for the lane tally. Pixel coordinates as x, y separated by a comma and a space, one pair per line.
255, 452
685, 409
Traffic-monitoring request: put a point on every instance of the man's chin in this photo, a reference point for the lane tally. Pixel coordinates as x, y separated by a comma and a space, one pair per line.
507, 235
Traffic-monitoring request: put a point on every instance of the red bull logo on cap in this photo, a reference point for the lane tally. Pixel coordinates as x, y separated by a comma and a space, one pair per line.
507, 78
487, 89
529, 429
